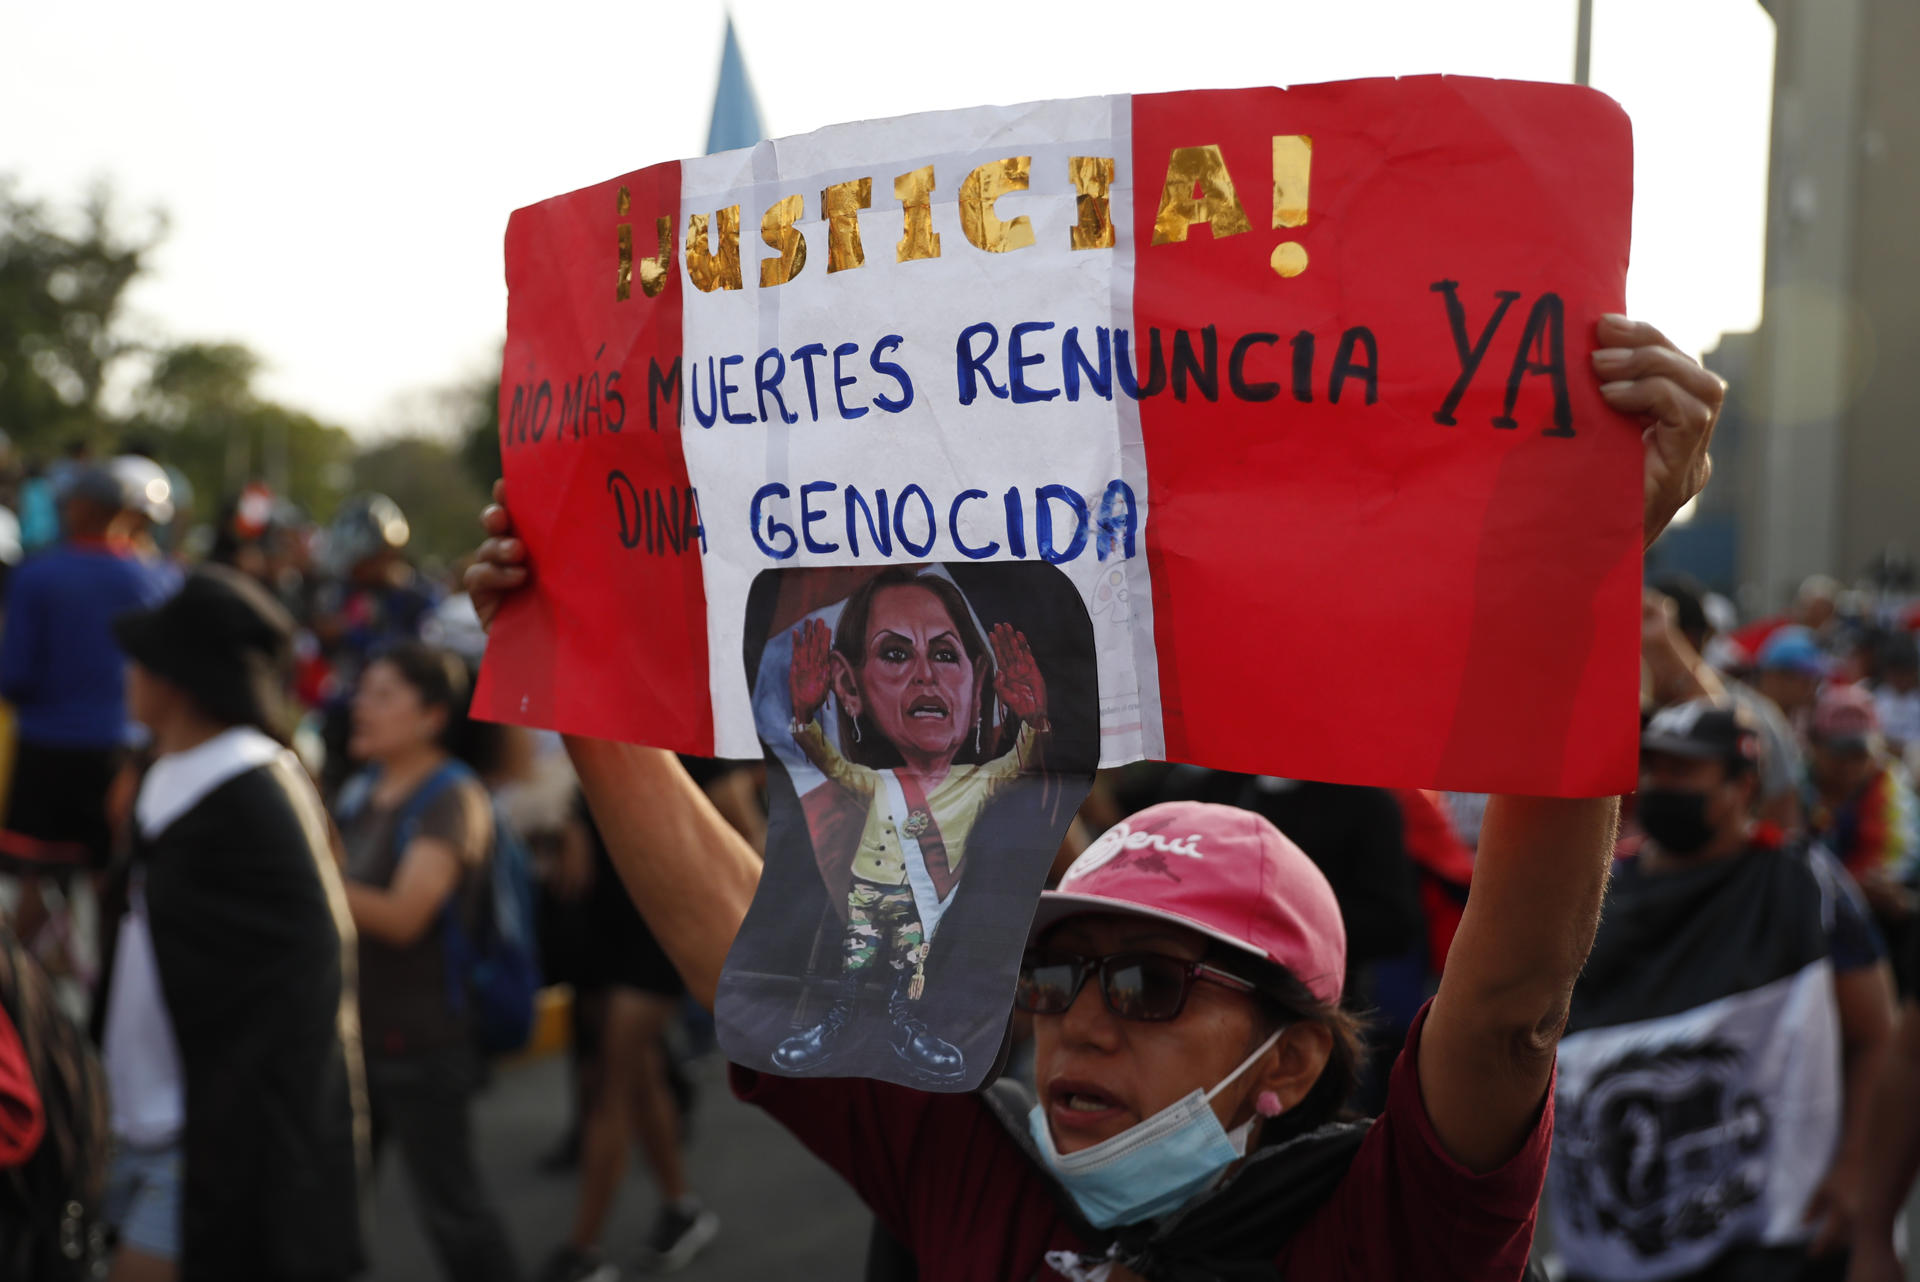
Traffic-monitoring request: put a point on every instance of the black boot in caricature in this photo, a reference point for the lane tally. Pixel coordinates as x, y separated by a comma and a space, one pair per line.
910, 729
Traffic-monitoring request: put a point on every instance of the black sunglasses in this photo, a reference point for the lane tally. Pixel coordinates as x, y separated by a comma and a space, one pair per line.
1143, 986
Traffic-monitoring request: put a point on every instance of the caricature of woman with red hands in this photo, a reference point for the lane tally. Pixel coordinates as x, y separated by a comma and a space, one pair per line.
910, 672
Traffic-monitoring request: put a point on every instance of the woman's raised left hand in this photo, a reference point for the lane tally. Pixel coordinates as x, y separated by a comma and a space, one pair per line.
1016, 678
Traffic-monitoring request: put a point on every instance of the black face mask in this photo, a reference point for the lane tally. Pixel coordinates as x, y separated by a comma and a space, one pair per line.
1675, 819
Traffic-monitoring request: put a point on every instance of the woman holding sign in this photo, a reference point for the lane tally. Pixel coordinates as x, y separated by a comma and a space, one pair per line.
911, 674
1191, 1055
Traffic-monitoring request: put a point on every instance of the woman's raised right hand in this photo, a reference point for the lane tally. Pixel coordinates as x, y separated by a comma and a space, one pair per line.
499, 567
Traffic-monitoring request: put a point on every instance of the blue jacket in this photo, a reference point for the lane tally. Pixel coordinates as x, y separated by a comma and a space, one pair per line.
59, 664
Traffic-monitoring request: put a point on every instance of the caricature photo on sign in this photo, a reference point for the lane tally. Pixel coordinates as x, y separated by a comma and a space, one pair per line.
930, 731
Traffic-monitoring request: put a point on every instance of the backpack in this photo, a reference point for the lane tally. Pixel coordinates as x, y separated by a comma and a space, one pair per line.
50, 1206
492, 964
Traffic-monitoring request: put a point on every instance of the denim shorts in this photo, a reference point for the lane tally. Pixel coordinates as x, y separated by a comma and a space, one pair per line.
143, 1199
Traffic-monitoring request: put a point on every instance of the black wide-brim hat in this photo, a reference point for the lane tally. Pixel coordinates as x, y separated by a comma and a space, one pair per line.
222, 639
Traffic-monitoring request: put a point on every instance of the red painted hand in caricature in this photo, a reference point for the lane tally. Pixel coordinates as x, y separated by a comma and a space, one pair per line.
1016, 677
812, 666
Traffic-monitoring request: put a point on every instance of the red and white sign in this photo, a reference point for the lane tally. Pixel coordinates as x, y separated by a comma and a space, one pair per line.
1292, 384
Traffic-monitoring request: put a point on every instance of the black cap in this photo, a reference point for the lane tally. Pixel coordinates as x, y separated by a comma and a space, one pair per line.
224, 640
1704, 730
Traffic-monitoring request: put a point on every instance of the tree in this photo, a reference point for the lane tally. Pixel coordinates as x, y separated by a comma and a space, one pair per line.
478, 423
196, 375
63, 335
199, 407
424, 476
63, 281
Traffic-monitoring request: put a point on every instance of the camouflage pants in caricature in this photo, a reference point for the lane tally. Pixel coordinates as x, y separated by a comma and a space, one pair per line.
883, 922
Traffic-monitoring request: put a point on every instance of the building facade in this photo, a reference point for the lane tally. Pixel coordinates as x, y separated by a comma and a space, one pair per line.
1820, 461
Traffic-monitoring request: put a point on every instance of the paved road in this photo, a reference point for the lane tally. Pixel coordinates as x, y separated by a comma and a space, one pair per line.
784, 1217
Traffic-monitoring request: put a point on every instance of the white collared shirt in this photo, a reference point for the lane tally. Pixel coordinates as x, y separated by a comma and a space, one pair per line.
176, 783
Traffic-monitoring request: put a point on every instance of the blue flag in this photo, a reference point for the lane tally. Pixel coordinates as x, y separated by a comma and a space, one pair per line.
736, 115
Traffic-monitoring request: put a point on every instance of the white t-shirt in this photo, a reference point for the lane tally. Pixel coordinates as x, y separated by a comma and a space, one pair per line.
141, 1056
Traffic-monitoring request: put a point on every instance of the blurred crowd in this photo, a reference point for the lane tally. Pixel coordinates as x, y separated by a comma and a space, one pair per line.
271, 900
275, 905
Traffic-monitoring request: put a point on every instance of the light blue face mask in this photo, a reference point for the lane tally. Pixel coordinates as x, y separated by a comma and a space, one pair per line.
1151, 1168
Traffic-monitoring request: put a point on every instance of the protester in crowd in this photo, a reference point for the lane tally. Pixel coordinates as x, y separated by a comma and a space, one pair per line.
229, 1043
1816, 609
634, 994
1816, 605
43, 496
1861, 804
563, 880
418, 831
53, 1128
1893, 574
1711, 1111
240, 533
573, 922
371, 598
171, 536
1721, 650
39, 514
1212, 1028
1444, 863
1892, 1155
139, 460
64, 673
268, 537
1676, 659
377, 597
150, 496
1856, 653
1355, 836
458, 628
1896, 694
1790, 668
540, 803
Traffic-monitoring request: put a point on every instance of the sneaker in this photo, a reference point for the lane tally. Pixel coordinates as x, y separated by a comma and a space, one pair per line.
680, 1232
570, 1264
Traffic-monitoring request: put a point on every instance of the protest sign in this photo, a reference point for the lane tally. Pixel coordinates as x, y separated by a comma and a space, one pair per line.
1291, 386
942, 459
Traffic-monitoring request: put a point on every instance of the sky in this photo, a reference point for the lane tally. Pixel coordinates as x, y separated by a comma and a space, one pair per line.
338, 178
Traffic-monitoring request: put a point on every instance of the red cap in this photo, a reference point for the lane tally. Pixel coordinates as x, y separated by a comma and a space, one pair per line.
1219, 870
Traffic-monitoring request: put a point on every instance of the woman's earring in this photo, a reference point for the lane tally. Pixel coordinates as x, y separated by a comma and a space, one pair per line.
1268, 1104
976, 734
856, 727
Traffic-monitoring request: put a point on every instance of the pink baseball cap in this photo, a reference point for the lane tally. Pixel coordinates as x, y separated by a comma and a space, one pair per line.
1221, 871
